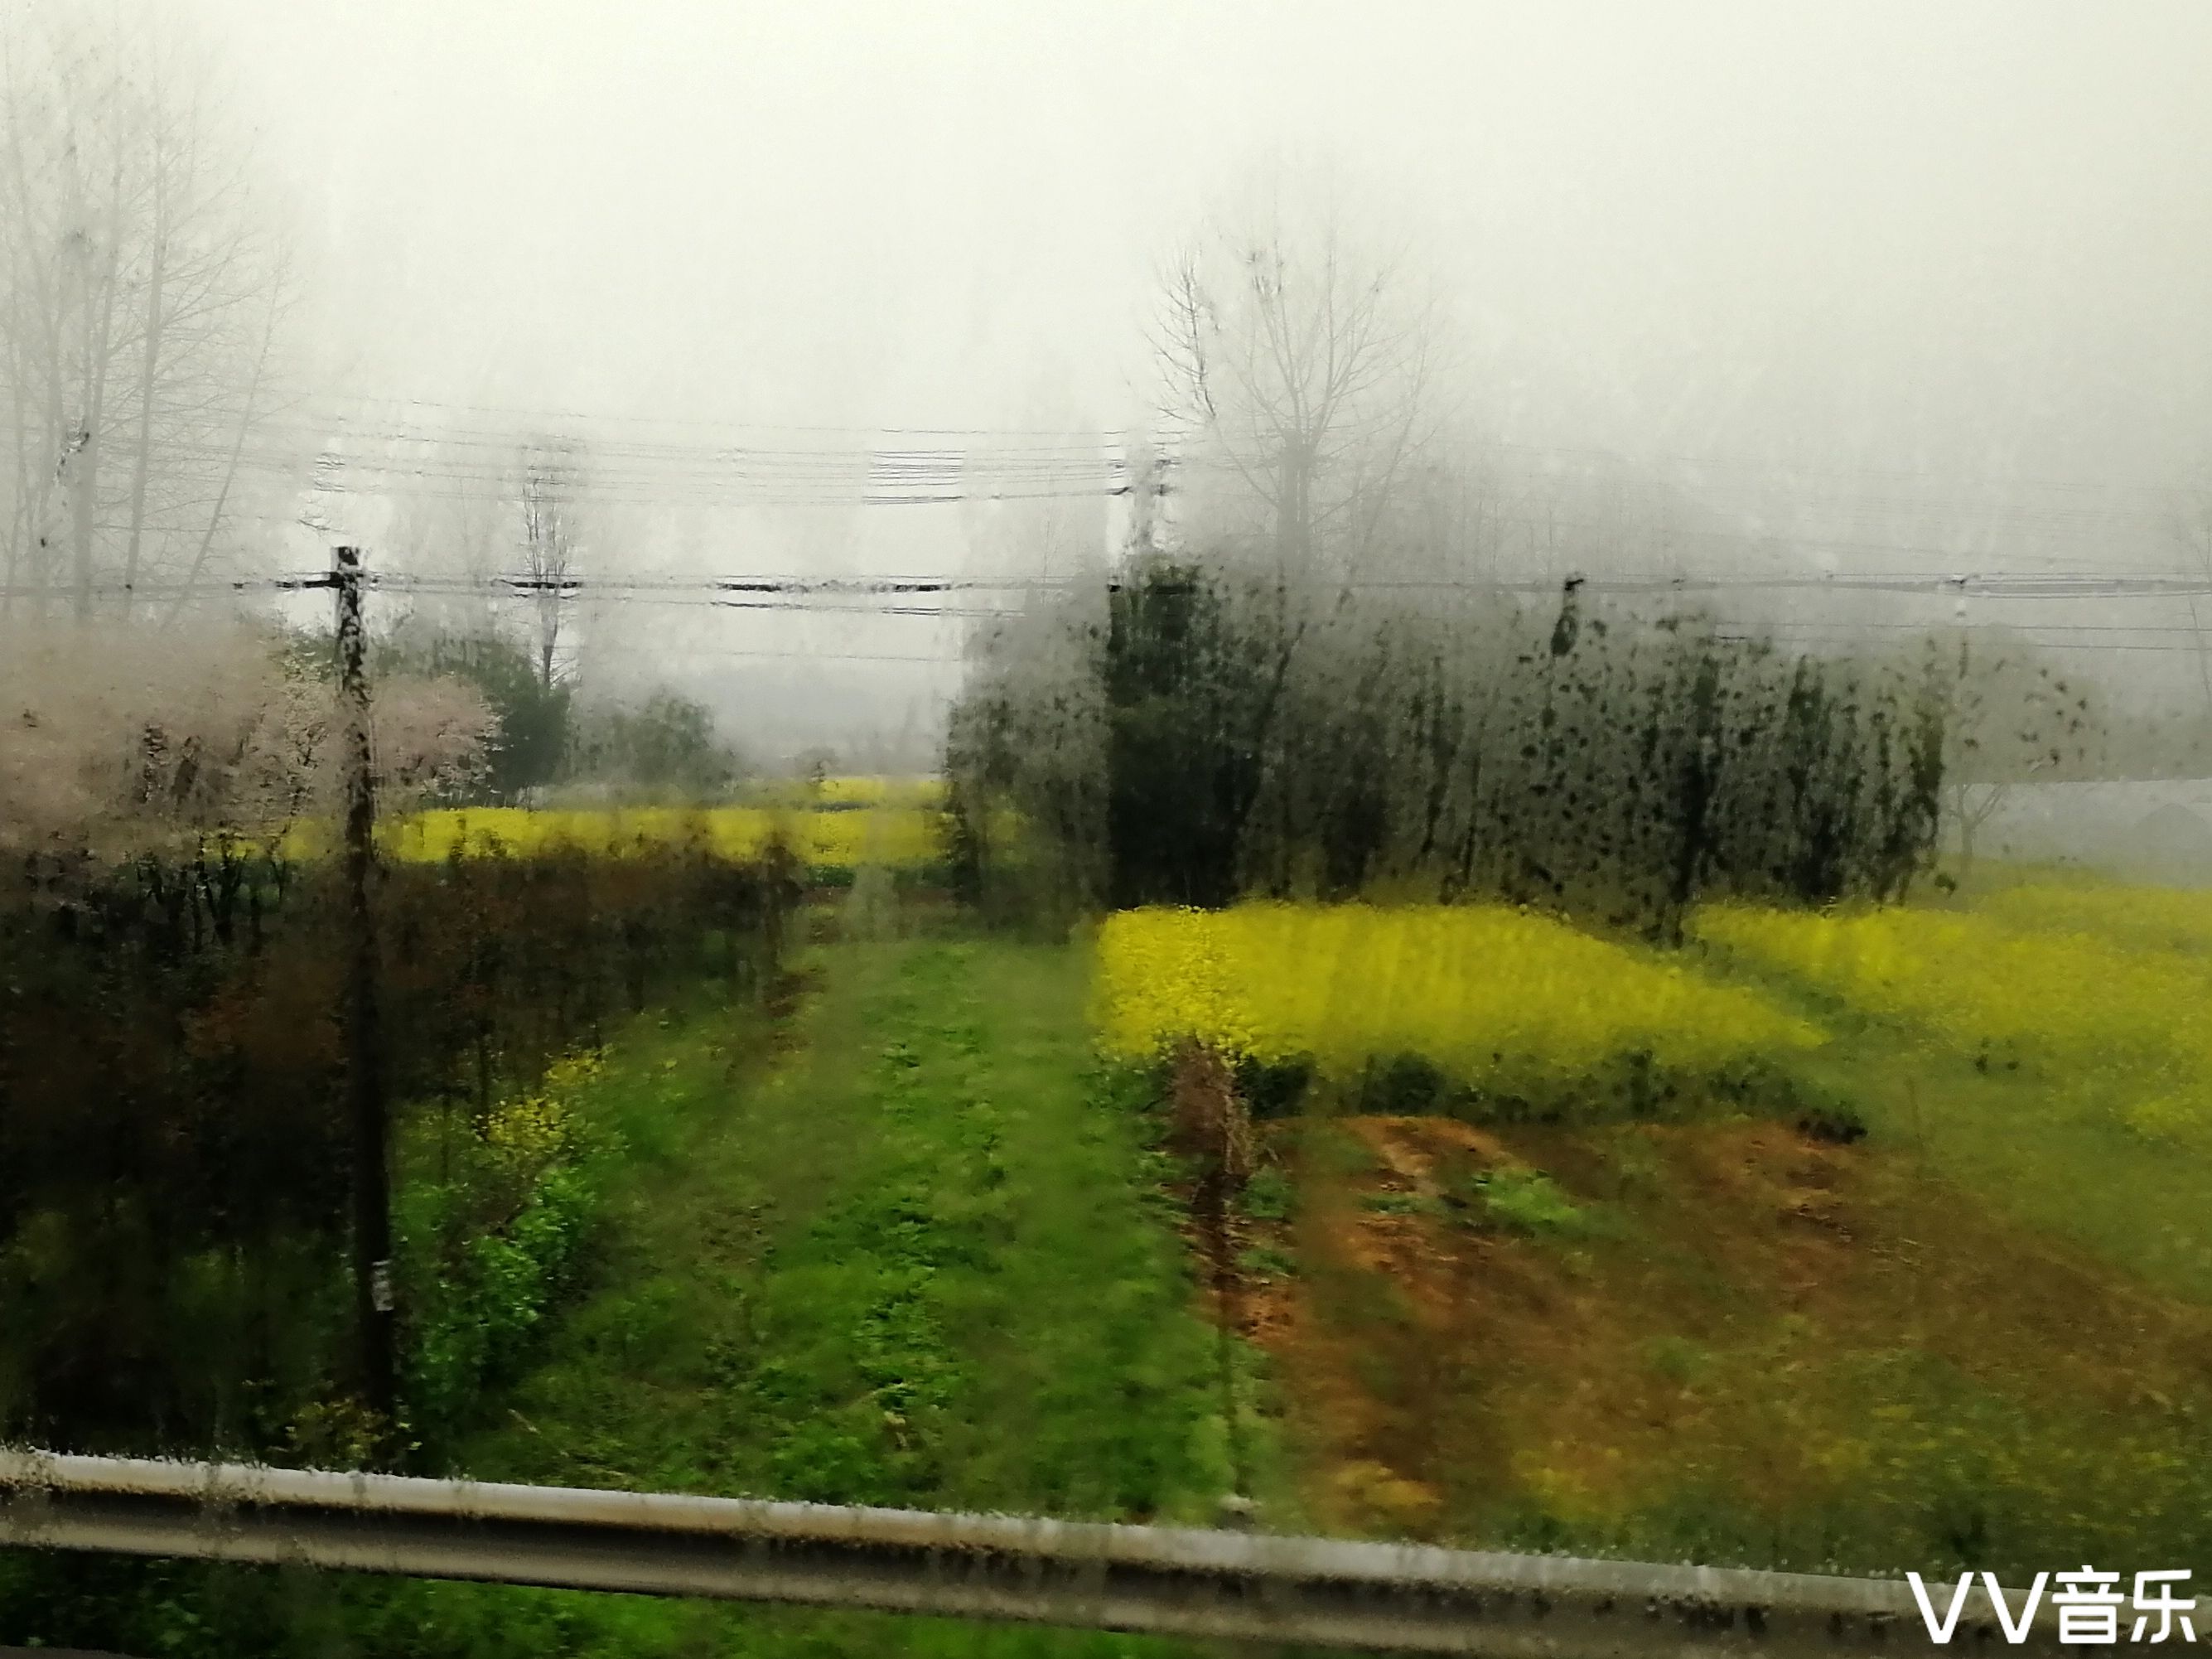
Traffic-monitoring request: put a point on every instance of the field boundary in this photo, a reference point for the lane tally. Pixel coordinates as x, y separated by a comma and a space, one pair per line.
1165, 1581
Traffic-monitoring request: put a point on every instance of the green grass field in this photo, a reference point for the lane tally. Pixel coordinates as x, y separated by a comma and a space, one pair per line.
912, 1258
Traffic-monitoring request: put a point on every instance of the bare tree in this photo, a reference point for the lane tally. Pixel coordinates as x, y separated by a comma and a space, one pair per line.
1971, 806
142, 283
1305, 359
551, 483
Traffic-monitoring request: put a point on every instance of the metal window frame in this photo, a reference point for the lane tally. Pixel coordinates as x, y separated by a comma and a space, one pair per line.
1159, 1580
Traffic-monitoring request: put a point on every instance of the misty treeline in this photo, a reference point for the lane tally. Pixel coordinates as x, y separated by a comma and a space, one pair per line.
1192, 734
1193, 731
510, 537
116, 744
1212, 739
1341, 659
554, 733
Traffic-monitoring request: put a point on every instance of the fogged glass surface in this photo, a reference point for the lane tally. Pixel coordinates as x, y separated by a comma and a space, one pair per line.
1333, 817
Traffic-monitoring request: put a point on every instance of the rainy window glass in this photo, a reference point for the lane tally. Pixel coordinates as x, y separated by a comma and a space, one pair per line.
1437, 775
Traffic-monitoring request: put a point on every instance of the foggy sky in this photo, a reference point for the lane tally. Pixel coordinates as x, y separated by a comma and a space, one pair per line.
1967, 242
1971, 235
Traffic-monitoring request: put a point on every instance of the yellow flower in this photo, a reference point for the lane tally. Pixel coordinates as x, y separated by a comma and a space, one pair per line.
539, 1128
894, 821
2054, 980
535, 1129
572, 1071
1473, 989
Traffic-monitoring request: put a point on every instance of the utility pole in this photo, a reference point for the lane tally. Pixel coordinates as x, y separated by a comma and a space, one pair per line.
371, 1176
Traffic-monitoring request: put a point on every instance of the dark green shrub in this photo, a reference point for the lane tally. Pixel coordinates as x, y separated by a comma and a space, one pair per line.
1404, 1085
1275, 1089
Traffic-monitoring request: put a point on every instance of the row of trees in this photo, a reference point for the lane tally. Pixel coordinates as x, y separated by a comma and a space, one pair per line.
1214, 739
144, 277
113, 749
549, 736
1345, 667
234, 731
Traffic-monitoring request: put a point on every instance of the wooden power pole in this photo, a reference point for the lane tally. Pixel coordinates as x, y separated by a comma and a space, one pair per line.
372, 1177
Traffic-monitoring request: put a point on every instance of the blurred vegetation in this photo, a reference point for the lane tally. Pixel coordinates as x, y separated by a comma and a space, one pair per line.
535, 713
1219, 738
921, 1259
821, 841
174, 1153
551, 735
1940, 1301
918, 1249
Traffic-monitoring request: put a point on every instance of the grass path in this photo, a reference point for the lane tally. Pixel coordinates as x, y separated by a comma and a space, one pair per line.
920, 1261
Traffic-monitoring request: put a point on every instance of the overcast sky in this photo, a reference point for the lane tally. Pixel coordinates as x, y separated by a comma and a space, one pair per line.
1961, 235
1970, 242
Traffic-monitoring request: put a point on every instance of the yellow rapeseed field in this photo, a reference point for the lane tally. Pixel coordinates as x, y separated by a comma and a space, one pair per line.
1478, 990
867, 821
1974, 978
2109, 1025
2167, 918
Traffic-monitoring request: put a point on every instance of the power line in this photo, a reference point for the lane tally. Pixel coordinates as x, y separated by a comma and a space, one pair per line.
2044, 585
893, 597
1042, 445
697, 422
947, 657
1738, 464
2069, 645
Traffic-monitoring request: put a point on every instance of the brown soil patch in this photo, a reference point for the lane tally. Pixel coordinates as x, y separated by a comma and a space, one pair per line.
1704, 1319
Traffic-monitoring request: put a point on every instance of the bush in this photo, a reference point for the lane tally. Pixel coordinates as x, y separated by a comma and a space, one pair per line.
1267, 1196
174, 1145
1530, 1201
1405, 1085
1274, 1089
485, 1253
